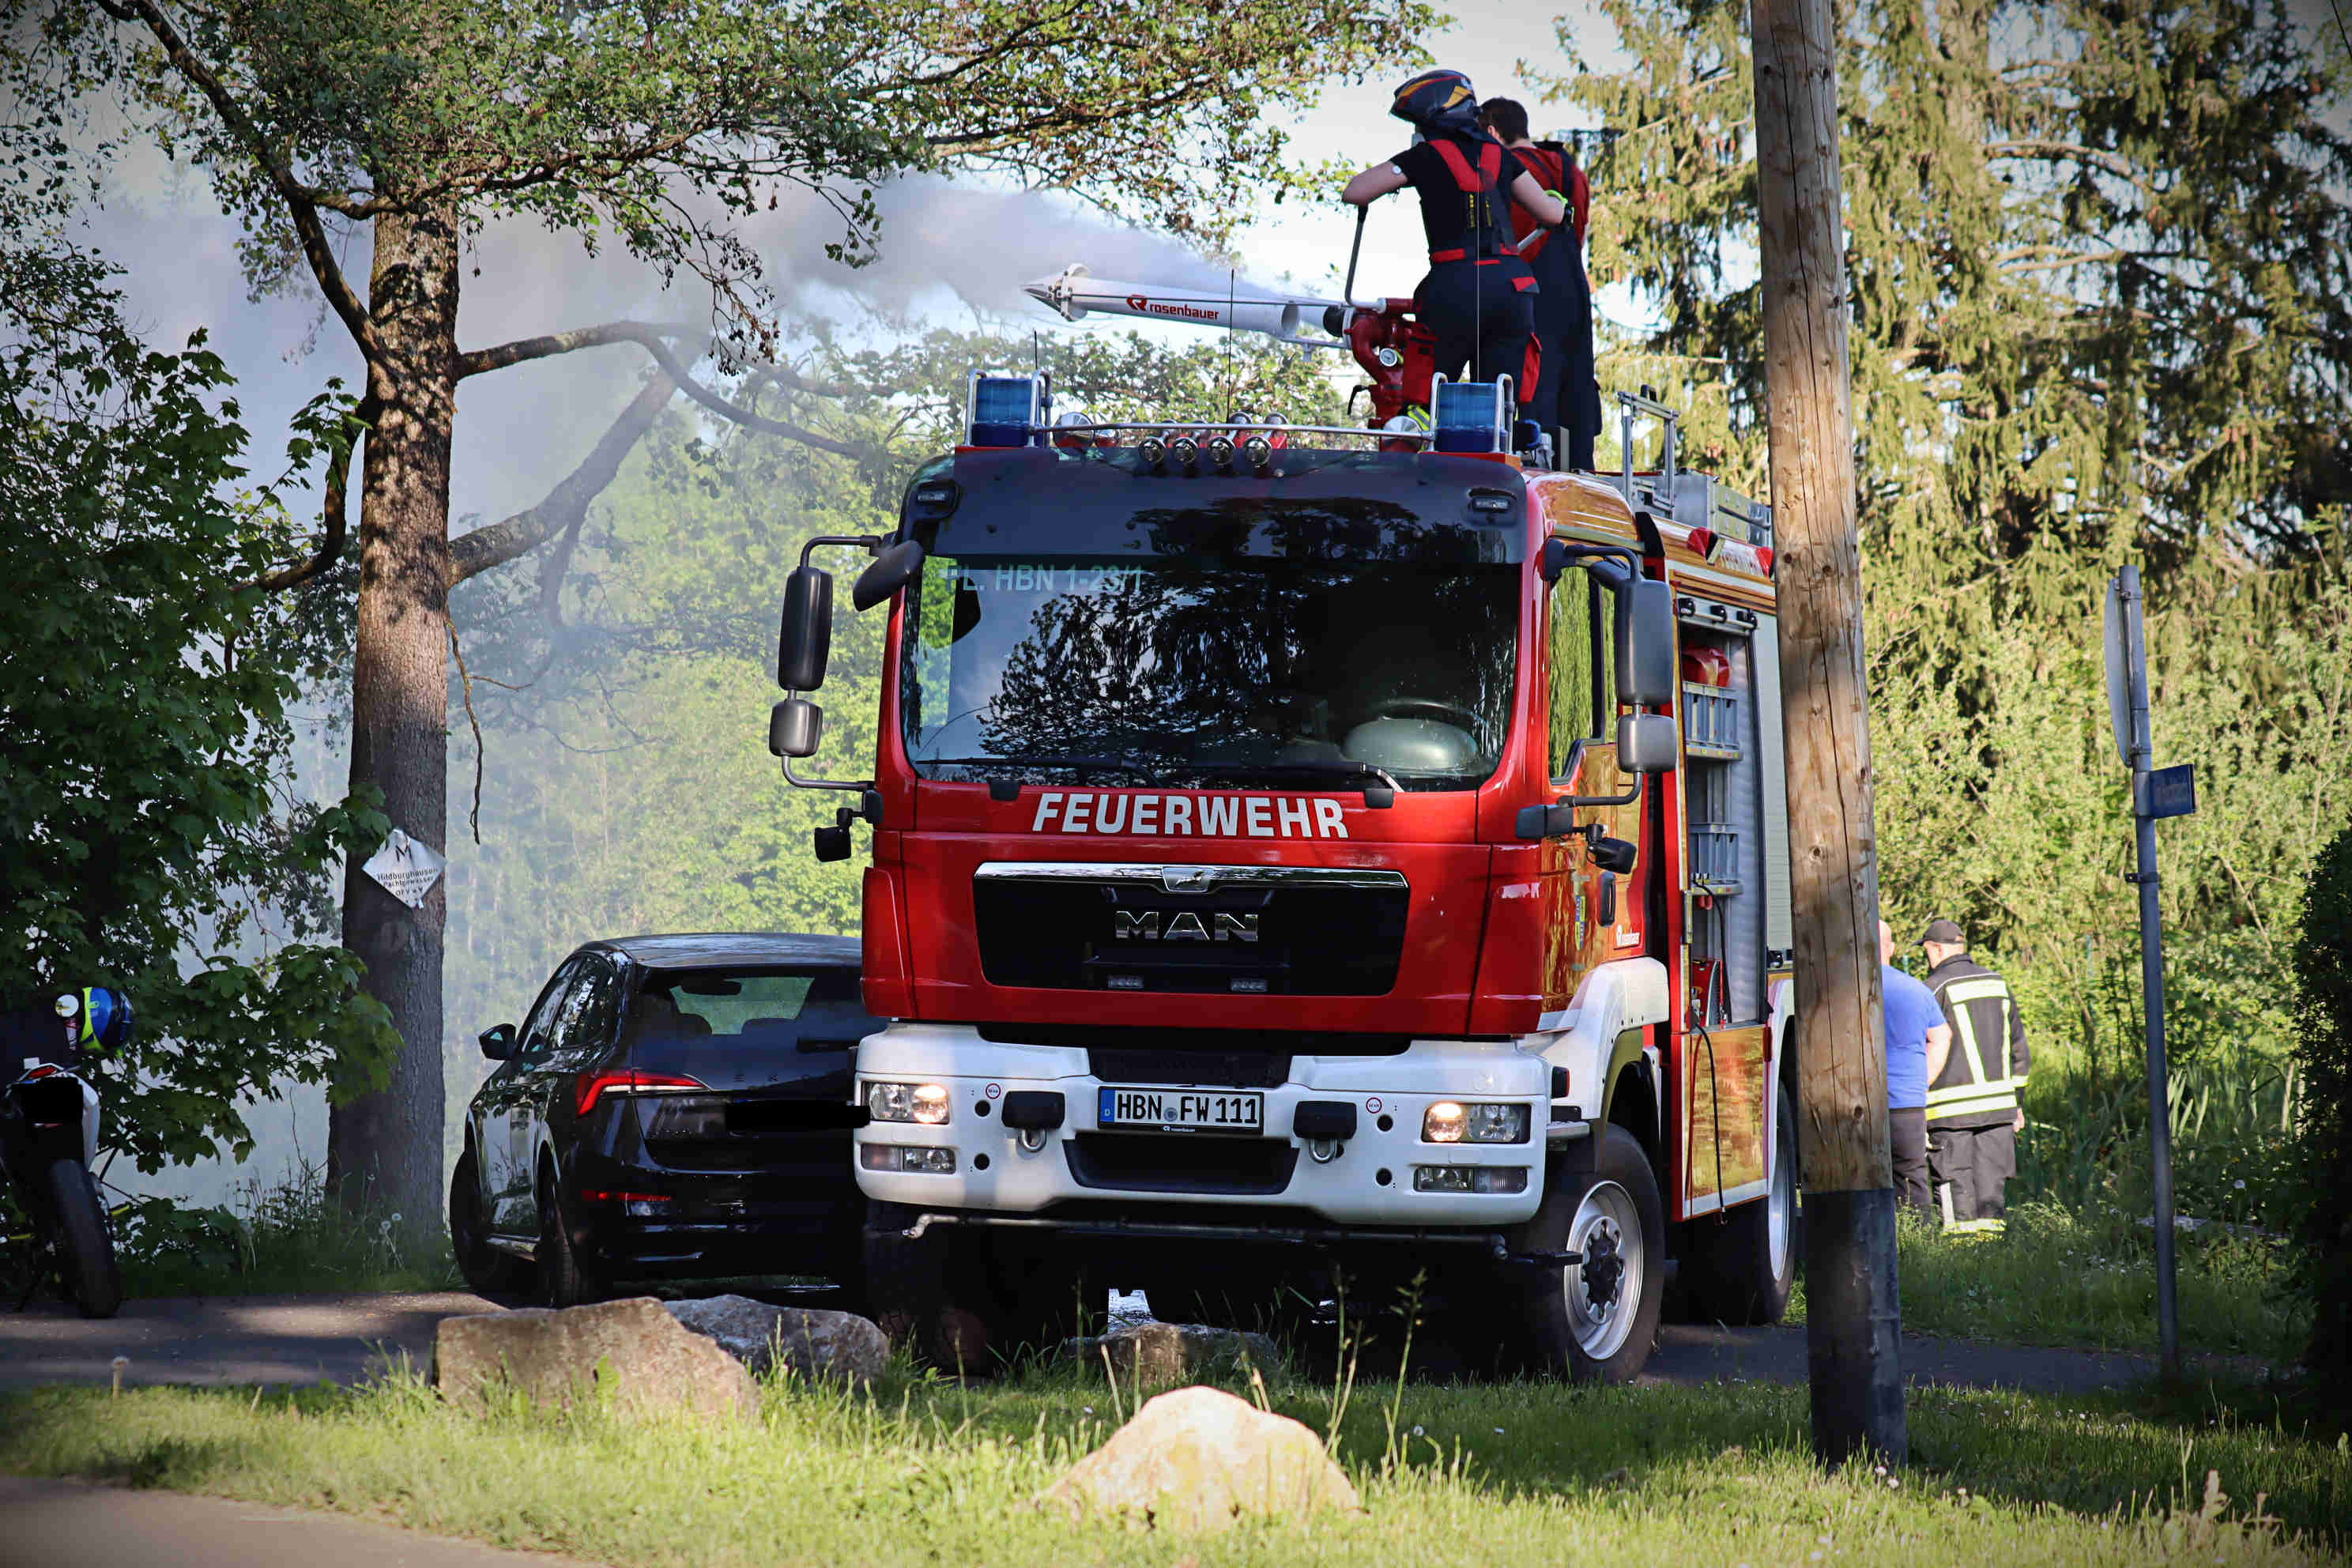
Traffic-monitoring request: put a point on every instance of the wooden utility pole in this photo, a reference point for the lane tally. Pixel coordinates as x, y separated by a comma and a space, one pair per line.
1852, 1312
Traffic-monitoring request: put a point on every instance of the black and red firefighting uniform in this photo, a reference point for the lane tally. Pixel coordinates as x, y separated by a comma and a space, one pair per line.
1478, 300
1565, 395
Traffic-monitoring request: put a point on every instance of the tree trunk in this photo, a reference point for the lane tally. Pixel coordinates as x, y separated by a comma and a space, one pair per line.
1852, 1315
383, 1148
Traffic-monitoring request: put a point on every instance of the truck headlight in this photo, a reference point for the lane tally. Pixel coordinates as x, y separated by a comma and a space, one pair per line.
1451, 1121
921, 1102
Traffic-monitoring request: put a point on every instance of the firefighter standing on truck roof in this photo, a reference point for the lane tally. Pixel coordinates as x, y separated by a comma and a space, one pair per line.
1478, 298
1565, 395
1973, 1117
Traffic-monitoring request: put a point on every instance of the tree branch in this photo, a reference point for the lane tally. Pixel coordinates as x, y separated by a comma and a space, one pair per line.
523, 350
742, 416
301, 201
2099, 158
501, 543
333, 524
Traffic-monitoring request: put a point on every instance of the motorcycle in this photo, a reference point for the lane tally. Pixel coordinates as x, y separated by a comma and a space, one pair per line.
48, 1141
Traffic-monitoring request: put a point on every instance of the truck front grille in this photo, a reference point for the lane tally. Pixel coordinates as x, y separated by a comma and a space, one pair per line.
1279, 931
1181, 1163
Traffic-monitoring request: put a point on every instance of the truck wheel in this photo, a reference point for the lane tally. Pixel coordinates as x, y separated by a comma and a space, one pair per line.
1592, 1321
562, 1281
486, 1270
1026, 1303
1742, 1267
83, 1244
960, 1297
901, 1278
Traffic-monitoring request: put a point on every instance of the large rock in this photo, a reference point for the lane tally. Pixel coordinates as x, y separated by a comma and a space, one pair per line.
631, 1350
814, 1344
1198, 1458
1153, 1355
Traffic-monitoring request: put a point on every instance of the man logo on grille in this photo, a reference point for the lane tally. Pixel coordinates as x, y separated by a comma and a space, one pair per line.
1144, 925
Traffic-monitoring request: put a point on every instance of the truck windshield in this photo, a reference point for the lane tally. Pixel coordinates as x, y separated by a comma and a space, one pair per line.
1193, 671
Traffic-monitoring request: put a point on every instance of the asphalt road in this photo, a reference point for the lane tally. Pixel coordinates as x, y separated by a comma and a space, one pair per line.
245, 1340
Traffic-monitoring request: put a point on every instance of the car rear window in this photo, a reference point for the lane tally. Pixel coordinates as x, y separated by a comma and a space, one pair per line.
743, 1003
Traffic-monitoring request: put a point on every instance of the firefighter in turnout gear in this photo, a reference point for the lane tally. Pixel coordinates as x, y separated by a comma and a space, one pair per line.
1478, 298
1565, 395
1973, 1115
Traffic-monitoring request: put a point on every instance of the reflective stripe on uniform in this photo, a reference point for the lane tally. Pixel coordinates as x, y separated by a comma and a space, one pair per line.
1973, 1098
1983, 1093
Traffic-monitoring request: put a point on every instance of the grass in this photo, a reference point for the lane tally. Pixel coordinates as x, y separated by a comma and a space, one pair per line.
2059, 1278
922, 1471
277, 1237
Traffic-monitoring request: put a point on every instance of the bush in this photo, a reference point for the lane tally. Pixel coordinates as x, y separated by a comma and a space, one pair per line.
2323, 1226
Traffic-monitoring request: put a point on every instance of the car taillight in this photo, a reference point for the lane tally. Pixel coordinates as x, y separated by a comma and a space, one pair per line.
594, 1086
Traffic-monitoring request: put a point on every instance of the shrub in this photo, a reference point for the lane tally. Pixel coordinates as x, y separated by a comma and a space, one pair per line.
2323, 1226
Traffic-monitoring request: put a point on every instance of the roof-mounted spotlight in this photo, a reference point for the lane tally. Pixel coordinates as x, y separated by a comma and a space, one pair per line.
1258, 450
1152, 451
1220, 450
1185, 449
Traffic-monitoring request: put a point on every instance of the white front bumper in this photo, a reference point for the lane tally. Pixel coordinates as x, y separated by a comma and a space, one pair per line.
1369, 1183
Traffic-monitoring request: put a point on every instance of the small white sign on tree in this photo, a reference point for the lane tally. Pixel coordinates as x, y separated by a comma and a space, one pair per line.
405, 869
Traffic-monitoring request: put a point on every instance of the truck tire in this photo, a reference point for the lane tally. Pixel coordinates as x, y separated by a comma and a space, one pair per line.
1026, 1303
563, 1281
901, 1279
1594, 1321
82, 1241
486, 1270
963, 1300
1741, 1267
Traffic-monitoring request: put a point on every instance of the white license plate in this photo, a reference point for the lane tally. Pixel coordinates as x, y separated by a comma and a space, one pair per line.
1190, 1109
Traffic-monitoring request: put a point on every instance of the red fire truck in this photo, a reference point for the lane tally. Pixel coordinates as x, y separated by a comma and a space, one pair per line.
1319, 859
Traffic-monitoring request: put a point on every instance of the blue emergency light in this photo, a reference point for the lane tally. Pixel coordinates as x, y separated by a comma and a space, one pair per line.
1006, 408
1470, 416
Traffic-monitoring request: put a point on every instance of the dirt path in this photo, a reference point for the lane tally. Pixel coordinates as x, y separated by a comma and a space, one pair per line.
73, 1524
342, 1338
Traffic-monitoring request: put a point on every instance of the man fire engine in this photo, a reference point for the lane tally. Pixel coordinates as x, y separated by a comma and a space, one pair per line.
1310, 858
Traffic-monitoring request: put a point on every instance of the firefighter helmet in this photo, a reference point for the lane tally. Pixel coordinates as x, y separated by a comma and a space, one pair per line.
1438, 100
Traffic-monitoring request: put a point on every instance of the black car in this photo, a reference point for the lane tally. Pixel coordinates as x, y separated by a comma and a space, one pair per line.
675, 1106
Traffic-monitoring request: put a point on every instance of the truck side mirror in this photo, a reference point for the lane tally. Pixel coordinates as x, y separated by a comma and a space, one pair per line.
804, 633
497, 1041
892, 570
796, 724
1646, 666
1646, 742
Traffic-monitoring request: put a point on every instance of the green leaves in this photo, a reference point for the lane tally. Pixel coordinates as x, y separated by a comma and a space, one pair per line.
2098, 262
145, 763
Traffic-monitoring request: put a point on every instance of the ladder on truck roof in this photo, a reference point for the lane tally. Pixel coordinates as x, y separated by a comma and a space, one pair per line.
1693, 499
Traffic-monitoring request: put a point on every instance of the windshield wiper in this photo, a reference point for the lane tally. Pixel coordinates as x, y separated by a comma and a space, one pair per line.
1380, 776
1037, 760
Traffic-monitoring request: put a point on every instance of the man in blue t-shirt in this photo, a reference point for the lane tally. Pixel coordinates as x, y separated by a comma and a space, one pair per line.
1915, 1024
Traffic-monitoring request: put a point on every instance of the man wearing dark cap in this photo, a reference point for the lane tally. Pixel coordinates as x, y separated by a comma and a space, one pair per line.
1973, 1116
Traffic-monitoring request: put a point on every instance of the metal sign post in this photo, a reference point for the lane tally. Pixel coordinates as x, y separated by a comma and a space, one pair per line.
2156, 793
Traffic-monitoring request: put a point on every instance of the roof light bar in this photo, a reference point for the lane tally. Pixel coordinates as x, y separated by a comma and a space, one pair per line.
1006, 409
1470, 415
